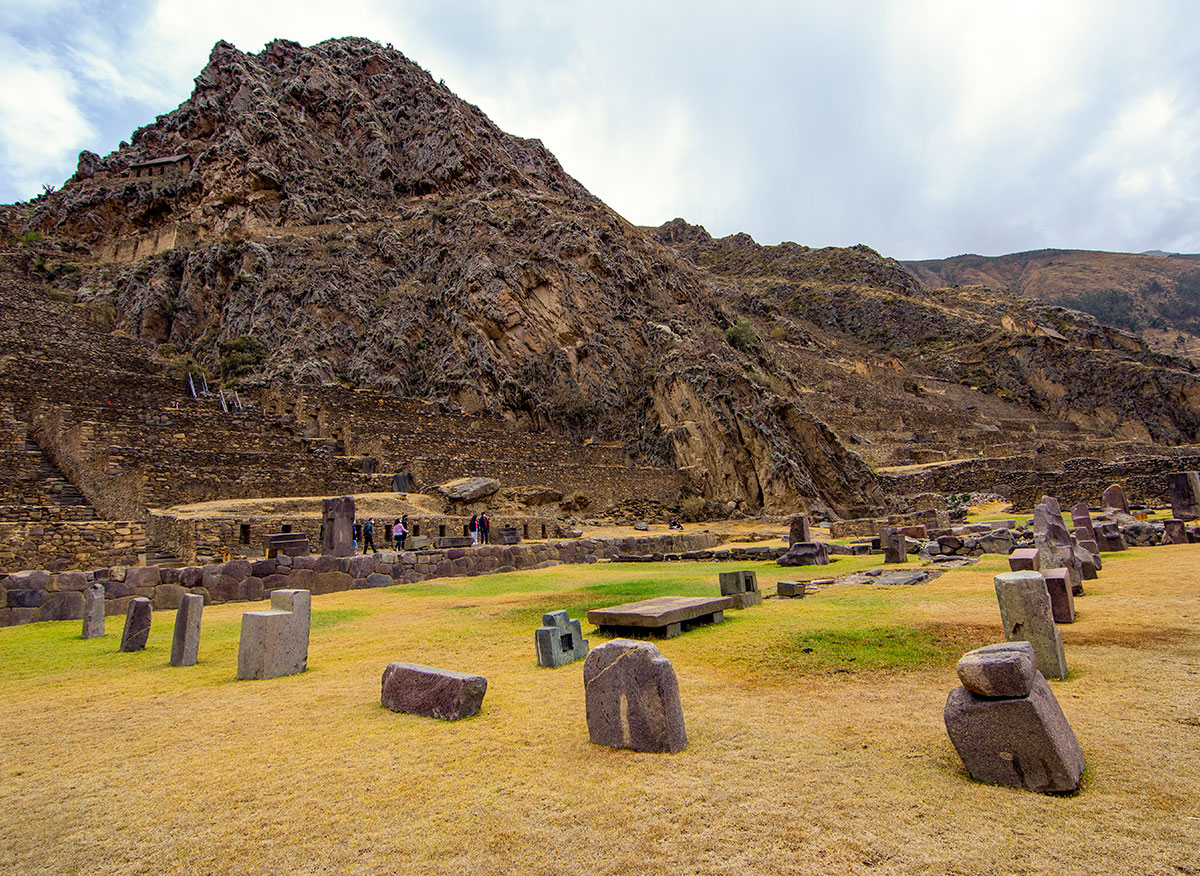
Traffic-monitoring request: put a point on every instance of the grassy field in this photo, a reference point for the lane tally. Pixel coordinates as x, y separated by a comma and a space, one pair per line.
815, 738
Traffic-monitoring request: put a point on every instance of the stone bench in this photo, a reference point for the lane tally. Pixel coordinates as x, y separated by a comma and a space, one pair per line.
663, 616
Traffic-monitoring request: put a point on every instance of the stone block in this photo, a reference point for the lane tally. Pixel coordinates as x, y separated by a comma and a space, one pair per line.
326, 563
93, 611
1062, 604
895, 546
360, 566
166, 596
275, 642
379, 579
142, 576
1114, 497
69, 581
238, 570
798, 530
251, 590
806, 553
137, 624
1003, 670
185, 642
32, 579
65, 605
742, 586
1025, 742
1109, 537
276, 582
191, 576
791, 589
632, 698
30, 598
1026, 614
330, 582
1024, 560
263, 568
434, 693
559, 640
1174, 531
337, 526
1183, 491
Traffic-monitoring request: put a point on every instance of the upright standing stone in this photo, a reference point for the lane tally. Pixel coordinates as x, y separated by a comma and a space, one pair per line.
799, 530
894, 544
1081, 519
741, 587
1109, 537
1027, 616
1055, 548
559, 640
337, 535
632, 698
1183, 489
93, 611
185, 643
137, 625
434, 693
1114, 497
275, 642
1007, 726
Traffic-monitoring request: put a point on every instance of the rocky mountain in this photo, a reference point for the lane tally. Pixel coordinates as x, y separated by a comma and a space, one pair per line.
1153, 294
332, 215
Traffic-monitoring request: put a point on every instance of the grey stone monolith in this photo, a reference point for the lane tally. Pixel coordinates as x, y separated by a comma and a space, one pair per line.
741, 587
137, 624
632, 698
337, 520
1174, 531
275, 642
1026, 614
559, 640
93, 611
798, 531
1019, 739
434, 693
185, 643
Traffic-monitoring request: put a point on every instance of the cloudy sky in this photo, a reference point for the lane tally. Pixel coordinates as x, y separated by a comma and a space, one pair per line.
921, 128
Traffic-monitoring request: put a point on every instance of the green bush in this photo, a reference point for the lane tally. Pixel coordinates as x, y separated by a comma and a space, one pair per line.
742, 336
241, 356
29, 238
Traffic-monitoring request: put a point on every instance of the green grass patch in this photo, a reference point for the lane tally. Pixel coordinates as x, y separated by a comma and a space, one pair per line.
860, 650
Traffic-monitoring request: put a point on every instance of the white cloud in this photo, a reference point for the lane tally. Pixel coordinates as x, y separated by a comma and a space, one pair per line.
42, 124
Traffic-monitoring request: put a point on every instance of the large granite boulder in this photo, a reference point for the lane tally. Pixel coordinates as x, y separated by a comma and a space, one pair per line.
632, 698
468, 489
434, 693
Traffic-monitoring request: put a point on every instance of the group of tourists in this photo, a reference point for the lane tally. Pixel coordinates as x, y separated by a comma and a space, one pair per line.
364, 534
480, 529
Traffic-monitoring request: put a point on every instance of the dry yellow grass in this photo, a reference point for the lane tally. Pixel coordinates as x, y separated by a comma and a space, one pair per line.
796, 763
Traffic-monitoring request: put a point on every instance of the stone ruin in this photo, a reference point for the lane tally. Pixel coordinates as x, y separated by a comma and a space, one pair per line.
559, 640
93, 611
894, 544
632, 698
275, 642
741, 587
806, 553
1056, 550
432, 693
1006, 724
798, 530
1183, 491
1027, 616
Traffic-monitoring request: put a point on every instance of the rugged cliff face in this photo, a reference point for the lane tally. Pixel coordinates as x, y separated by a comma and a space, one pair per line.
370, 229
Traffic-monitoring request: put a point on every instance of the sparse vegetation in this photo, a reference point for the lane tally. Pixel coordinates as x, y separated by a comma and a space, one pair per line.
241, 356
742, 337
30, 238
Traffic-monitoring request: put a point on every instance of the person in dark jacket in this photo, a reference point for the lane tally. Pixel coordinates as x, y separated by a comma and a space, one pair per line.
369, 535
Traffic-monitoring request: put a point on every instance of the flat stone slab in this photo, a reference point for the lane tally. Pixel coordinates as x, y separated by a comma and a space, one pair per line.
431, 692
1024, 742
791, 589
664, 615
632, 698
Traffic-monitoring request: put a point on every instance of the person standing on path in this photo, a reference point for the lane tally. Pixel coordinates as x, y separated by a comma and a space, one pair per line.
485, 528
369, 535
473, 527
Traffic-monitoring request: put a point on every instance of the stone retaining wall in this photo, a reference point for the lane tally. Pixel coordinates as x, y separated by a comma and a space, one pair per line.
40, 595
69, 544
